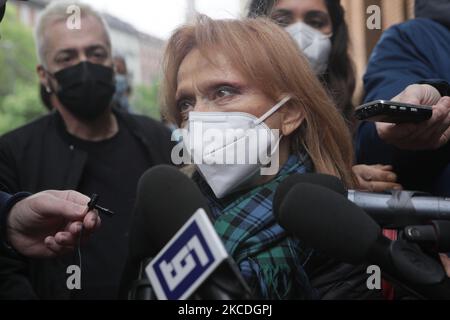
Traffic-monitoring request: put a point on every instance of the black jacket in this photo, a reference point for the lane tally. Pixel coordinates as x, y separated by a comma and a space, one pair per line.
46, 159
39, 157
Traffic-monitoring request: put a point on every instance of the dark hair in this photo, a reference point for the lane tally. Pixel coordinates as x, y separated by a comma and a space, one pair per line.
340, 78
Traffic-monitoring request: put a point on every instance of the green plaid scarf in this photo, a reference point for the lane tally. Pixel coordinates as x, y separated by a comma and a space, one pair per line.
270, 261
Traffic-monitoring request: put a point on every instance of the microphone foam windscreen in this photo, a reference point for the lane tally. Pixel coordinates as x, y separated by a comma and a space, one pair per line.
326, 181
166, 199
328, 222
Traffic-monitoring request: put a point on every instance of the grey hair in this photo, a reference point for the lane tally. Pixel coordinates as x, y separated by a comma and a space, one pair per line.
58, 11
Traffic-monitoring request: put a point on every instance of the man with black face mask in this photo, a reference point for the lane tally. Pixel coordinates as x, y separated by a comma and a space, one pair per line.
412, 63
82, 145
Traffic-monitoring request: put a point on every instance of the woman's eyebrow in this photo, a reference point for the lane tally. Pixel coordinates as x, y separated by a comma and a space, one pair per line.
284, 12
219, 83
208, 86
180, 94
316, 14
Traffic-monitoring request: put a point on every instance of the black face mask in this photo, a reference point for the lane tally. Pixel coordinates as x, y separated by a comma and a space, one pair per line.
86, 89
438, 10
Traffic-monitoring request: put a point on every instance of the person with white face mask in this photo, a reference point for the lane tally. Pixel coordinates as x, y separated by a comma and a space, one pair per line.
225, 91
245, 145
319, 29
315, 45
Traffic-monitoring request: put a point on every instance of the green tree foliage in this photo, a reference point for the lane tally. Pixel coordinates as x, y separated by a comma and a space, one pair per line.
145, 101
19, 89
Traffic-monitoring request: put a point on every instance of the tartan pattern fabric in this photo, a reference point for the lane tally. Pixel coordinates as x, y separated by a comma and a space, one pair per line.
270, 261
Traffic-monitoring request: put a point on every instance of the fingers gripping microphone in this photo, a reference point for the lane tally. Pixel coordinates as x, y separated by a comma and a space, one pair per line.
330, 223
166, 203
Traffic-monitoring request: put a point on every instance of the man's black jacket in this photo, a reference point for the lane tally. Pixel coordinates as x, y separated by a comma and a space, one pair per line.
39, 156
47, 160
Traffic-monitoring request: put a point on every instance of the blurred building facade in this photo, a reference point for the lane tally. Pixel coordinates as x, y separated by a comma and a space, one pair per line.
151, 52
141, 51
126, 43
363, 38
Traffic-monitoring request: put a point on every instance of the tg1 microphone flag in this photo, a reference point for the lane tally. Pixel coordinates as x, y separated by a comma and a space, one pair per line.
192, 255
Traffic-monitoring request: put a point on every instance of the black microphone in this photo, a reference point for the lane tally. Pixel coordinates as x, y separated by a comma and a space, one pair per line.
166, 200
162, 191
395, 210
435, 236
328, 222
326, 181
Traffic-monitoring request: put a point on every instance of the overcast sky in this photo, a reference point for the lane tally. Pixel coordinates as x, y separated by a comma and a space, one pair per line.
161, 17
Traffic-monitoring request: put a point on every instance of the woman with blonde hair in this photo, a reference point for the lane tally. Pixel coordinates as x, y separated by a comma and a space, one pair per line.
249, 75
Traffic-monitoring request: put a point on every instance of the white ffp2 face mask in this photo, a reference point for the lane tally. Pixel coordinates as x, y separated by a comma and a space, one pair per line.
226, 152
315, 45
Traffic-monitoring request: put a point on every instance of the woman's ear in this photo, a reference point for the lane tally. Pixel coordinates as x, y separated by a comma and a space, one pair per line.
291, 119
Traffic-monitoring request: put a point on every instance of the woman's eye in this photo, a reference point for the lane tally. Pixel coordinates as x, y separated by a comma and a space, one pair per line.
316, 24
223, 92
283, 21
185, 105
282, 17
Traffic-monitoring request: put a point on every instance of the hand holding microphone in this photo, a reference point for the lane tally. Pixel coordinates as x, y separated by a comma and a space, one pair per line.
49, 223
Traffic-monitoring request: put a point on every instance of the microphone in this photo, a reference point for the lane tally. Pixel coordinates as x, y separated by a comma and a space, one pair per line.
160, 191
396, 210
194, 263
328, 222
326, 181
141, 289
435, 236
401, 208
